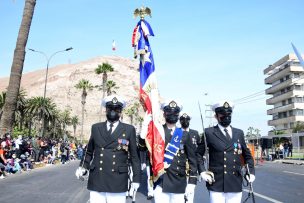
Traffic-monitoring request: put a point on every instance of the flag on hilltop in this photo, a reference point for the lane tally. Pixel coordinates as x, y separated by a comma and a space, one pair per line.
149, 96
113, 45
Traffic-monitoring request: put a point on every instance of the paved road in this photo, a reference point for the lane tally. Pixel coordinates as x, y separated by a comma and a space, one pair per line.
275, 182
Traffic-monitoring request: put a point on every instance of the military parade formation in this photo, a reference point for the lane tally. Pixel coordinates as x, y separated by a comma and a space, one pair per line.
216, 157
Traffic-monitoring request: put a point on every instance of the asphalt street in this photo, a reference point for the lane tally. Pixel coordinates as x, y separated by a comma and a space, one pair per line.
275, 182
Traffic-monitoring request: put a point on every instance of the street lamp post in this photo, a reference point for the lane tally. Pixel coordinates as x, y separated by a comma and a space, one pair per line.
48, 59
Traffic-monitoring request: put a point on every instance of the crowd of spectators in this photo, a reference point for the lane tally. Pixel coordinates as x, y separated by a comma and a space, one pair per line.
22, 153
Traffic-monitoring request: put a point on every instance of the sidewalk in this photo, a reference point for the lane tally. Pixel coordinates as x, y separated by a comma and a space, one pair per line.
289, 161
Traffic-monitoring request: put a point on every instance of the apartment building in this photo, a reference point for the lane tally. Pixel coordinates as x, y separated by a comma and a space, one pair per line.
286, 77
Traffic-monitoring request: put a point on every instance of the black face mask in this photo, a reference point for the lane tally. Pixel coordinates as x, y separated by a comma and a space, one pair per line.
113, 115
171, 118
185, 123
224, 120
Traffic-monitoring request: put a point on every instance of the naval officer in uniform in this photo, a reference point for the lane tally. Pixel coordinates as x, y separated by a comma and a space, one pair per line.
227, 147
172, 185
184, 120
106, 157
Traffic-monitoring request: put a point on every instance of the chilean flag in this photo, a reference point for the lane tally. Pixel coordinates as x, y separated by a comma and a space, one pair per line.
113, 45
149, 96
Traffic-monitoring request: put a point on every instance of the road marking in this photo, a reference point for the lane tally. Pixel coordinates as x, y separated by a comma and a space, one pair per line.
264, 197
294, 173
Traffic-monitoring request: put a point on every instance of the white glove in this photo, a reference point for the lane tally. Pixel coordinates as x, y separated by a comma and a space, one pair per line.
143, 166
250, 178
80, 172
135, 186
207, 176
145, 124
189, 189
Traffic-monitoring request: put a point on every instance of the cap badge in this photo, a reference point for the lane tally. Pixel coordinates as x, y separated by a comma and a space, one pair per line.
226, 105
185, 115
172, 104
114, 100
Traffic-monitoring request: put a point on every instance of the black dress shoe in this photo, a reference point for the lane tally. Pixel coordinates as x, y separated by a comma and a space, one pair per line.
149, 197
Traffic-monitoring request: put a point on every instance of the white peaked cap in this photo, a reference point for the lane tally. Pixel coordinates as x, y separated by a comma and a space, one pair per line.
224, 104
172, 103
115, 99
184, 114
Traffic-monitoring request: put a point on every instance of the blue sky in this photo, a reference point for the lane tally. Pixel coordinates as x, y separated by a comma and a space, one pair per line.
215, 47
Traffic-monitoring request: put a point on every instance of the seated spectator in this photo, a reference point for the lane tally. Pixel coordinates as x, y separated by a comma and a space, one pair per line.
12, 165
25, 164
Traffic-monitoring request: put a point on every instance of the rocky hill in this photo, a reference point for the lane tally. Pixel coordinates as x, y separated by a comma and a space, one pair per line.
62, 79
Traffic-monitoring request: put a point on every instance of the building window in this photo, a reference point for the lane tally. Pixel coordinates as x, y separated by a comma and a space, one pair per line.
287, 77
289, 100
285, 125
299, 112
299, 99
283, 102
291, 125
296, 75
290, 113
297, 87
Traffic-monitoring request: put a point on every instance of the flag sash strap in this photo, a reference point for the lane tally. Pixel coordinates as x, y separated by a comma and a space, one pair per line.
173, 147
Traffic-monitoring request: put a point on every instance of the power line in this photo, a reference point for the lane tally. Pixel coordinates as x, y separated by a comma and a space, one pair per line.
251, 100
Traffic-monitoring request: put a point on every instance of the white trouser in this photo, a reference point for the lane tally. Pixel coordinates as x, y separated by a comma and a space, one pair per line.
229, 197
149, 186
107, 197
190, 197
162, 197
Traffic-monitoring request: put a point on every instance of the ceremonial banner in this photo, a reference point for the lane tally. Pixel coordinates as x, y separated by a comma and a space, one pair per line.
149, 96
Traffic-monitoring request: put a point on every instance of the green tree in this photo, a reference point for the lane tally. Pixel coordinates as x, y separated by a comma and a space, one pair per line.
40, 108
104, 69
111, 87
10, 105
75, 122
299, 127
84, 86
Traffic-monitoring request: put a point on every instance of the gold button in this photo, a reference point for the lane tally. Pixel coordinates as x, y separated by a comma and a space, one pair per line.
102, 148
101, 154
113, 162
225, 159
177, 168
234, 160
178, 161
178, 154
114, 156
233, 166
101, 162
224, 152
225, 172
234, 152
225, 166
233, 173
112, 170
100, 169
124, 135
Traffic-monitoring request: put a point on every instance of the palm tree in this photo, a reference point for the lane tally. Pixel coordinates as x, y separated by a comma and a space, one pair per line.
85, 86
103, 69
66, 119
2, 101
111, 87
40, 108
75, 122
17, 67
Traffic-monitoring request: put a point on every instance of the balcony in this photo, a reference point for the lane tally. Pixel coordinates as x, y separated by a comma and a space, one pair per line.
282, 121
281, 73
284, 96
